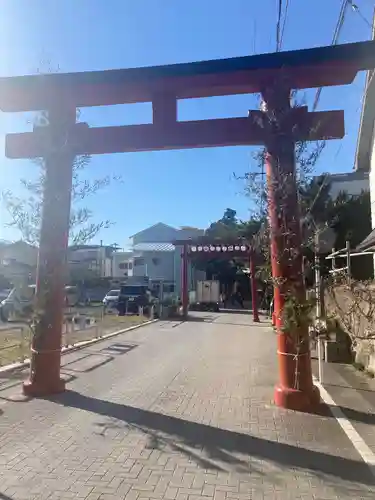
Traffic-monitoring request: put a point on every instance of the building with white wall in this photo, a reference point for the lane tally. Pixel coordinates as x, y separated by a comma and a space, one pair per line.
122, 265
155, 255
90, 261
365, 154
351, 183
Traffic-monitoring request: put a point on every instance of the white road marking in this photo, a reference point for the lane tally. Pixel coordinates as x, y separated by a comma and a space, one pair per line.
357, 441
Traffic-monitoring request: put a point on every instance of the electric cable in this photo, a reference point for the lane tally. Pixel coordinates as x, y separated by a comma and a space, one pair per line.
336, 34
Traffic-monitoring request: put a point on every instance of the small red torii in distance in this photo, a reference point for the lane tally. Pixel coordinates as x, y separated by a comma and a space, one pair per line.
209, 247
277, 127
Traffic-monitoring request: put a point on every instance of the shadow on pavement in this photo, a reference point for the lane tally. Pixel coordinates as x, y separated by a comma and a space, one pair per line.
119, 349
353, 415
5, 497
252, 325
248, 312
195, 319
359, 389
219, 442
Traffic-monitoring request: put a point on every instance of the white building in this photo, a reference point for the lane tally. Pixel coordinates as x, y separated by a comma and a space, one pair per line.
87, 261
18, 261
352, 183
365, 154
155, 255
122, 265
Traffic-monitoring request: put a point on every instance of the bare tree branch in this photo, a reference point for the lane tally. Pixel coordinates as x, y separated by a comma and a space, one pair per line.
25, 211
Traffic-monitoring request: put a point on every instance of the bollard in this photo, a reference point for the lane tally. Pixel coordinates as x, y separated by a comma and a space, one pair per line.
82, 322
21, 346
67, 328
320, 360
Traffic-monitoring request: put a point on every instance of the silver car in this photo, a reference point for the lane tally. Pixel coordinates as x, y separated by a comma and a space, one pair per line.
111, 299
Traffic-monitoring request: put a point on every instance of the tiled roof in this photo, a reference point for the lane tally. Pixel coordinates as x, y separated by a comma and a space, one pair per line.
154, 247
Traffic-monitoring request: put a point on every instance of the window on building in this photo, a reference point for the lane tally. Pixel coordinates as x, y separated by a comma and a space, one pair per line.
139, 261
123, 265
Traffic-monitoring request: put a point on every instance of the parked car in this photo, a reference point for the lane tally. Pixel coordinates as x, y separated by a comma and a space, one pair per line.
111, 299
132, 297
19, 302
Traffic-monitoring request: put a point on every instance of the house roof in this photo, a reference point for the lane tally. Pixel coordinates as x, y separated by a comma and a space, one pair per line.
366, 127
89, 247
368, 243
154, 247
20, 243
157, 225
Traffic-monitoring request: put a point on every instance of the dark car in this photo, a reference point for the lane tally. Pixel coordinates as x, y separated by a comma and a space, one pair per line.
132, 297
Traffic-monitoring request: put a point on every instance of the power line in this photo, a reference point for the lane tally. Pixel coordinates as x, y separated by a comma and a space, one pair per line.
357, 10
278, 25
339, 25
336, 34
284, 23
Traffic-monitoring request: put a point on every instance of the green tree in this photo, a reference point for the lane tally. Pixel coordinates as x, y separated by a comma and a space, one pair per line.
228, 229
25, 210
225, 228
351, 221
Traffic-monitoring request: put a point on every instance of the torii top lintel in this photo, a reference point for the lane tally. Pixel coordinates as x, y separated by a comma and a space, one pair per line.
307, 68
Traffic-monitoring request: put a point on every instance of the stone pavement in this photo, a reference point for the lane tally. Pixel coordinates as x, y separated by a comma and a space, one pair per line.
176, 411
354, 392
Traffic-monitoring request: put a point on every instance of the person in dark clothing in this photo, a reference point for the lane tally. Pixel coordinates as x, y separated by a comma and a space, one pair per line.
240, 299
237, 299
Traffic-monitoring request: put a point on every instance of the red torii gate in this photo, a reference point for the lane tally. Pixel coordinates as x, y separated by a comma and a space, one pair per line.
211, 248
277, 126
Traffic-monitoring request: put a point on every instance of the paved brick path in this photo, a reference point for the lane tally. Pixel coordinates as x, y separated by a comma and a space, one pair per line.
354, 391
176, 411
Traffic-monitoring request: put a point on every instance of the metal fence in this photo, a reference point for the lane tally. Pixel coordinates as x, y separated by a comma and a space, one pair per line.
15, 343
79, 325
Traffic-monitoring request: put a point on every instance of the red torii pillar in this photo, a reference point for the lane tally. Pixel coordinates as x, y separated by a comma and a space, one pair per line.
253, 286
295, 389
278, 130
185, 280
51, 269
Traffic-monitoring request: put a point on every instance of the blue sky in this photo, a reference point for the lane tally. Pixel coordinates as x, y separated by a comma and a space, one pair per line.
190, 187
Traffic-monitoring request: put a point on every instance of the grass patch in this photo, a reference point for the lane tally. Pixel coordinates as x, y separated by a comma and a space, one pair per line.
14, 345
15, 341
108, 325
